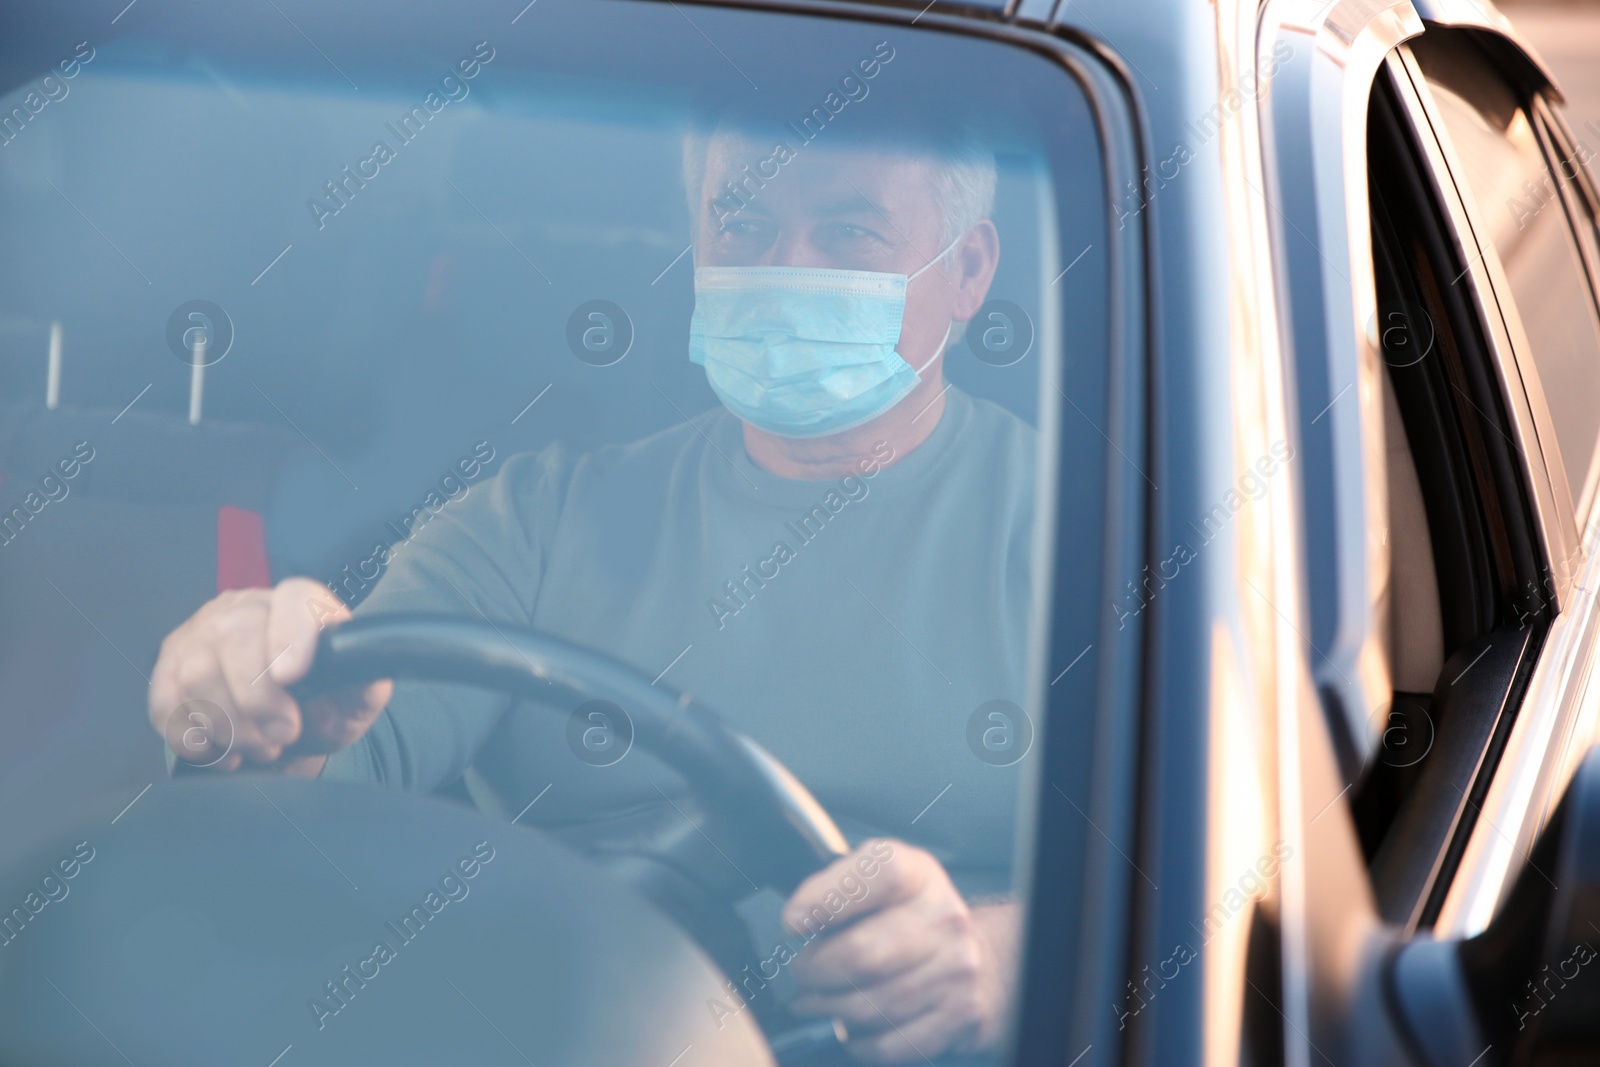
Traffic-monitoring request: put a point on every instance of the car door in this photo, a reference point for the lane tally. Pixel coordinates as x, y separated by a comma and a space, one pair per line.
1530, 204
1468, 499
1486, 326
1523, 187
1443, 616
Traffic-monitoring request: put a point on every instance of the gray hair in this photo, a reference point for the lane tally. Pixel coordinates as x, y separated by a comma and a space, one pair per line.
964, 179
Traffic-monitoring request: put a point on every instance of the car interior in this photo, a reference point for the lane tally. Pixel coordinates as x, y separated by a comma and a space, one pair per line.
368, 349
451, 312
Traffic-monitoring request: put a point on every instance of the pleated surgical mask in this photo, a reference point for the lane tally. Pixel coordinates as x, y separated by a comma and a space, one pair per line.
804, 351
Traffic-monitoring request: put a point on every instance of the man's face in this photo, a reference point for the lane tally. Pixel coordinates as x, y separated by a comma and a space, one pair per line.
852, 209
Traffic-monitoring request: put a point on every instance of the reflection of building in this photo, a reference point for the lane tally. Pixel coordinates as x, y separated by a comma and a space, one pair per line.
1567, 34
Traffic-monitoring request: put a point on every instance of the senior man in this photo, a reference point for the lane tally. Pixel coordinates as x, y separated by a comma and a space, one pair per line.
841, 480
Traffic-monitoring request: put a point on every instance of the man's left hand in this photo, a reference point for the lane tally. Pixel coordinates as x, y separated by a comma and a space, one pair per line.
911, 969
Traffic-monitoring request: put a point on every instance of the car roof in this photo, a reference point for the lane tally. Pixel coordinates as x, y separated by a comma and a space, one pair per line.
24, 53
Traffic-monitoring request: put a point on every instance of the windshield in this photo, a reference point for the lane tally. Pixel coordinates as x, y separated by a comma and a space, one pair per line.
728, 345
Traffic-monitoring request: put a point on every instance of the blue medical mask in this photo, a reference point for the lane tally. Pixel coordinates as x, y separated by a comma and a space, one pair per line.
803, 351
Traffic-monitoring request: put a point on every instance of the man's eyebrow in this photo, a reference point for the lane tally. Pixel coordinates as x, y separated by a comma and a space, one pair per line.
850, 205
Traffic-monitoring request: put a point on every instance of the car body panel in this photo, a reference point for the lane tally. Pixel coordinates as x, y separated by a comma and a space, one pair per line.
1250, 626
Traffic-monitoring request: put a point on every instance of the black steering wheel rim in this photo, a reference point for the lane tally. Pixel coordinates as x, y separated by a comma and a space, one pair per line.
782, 834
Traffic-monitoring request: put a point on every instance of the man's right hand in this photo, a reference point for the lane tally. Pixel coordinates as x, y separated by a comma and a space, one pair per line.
238, 655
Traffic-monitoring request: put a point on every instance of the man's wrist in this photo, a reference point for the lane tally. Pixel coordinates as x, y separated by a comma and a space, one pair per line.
997, 918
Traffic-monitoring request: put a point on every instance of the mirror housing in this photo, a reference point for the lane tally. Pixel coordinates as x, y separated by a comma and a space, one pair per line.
1531, 972
1524, 991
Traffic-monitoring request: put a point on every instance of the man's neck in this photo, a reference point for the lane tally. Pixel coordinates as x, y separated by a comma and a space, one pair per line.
816, 459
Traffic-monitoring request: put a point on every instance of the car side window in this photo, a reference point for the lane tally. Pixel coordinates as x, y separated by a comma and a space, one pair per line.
1517, 187
1459, 546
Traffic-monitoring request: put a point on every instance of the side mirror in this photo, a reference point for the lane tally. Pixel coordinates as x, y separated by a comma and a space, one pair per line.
1524, 991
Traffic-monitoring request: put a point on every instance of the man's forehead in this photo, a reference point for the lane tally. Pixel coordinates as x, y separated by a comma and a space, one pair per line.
841, 171
735, 148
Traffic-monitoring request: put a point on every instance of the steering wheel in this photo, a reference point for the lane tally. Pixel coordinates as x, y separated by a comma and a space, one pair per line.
747, 821
175, 881
781, 834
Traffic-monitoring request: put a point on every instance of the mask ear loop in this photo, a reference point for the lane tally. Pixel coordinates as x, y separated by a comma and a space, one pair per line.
938, 351
942, 253
911, 278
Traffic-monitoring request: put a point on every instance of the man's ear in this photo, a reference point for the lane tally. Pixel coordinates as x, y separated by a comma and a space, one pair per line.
977, 256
